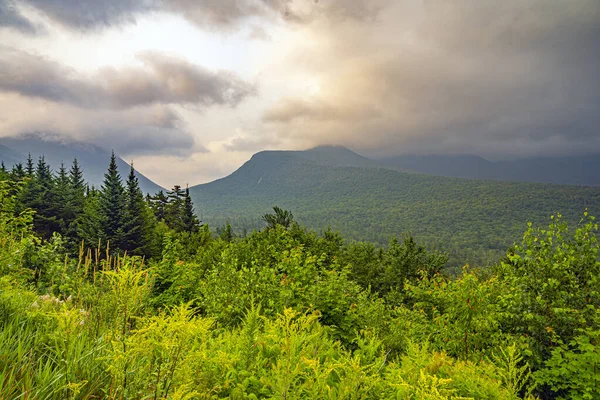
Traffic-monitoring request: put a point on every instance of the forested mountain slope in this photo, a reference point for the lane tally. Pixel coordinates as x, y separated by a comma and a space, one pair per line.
93, 159
470, 218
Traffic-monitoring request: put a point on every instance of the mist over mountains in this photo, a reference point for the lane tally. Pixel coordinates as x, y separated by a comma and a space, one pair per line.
566, 170
56, 150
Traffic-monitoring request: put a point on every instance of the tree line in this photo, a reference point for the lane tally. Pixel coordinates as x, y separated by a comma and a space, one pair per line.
116, 216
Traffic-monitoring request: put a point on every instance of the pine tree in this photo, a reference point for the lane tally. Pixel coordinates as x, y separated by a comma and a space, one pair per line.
112, 205
190, 221
136, 225
76, 176
73, 194
174, 213
29, 167
159, 204
4, 176
62, 198
45, 201
17, 172
89, 224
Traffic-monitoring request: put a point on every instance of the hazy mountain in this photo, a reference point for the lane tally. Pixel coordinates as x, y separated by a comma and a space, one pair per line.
370, 203
93, 159
9, 156
571, 170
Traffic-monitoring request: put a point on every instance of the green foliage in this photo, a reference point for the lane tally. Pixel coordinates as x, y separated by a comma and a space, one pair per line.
573, 370
473, 221
112, 205
280, 217
551, 283
286, 313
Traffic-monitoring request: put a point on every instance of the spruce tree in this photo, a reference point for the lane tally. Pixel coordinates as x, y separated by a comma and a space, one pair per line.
112, 205
29, 167
62, 198
190, 221
3, 168
77, 188
74, 201
45, 201
136, 225
17, 172
175, 210
89, 225
159, 204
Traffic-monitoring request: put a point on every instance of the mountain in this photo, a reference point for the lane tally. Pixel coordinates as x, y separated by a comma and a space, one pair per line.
9, 156
93, 159
469, 218
571, 170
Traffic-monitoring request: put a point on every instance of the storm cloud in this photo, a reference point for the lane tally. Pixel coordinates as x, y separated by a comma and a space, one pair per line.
144, 130
161, 80
497, 79
484, 77
220, 14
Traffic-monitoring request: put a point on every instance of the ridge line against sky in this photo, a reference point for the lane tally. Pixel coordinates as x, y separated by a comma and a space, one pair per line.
191, 89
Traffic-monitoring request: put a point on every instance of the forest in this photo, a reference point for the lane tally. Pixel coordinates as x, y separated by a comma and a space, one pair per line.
473, 221
109, 294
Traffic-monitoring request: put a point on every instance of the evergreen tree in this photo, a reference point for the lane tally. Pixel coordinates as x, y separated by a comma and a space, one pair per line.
62, 197
159, 204
89, 224
45, 201
17, 172
29, 167
3, 173
3, 168
112, 205
76, 177
74, 197
77, 189
190, 221
136, 224
174, 213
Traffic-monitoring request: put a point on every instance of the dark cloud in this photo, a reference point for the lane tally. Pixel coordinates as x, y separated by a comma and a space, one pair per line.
220, 14
162, 80
228, 13
470, 76
12, 18
143, 130
93, 14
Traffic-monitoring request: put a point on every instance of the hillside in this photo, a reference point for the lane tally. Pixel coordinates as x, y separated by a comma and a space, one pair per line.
477, 219
93, 159
574, 170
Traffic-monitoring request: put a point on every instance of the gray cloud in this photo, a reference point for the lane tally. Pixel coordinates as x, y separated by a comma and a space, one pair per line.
12, 18
143, 130
97, 14
162, 80
251, 143
228, 13
483, 77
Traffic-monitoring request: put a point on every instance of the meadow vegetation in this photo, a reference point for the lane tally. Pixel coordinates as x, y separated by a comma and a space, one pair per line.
285, 313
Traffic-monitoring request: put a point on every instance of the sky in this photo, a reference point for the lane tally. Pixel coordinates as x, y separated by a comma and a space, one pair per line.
190, 89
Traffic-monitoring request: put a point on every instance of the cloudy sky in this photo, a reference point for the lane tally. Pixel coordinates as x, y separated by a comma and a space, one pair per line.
190, 89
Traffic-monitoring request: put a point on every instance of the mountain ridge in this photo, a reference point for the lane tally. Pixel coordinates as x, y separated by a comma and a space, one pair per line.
464, 215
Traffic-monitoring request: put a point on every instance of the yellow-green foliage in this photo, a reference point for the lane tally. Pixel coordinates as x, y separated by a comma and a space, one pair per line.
279, 315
